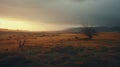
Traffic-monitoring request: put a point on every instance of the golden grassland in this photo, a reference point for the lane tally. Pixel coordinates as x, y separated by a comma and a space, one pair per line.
60, 50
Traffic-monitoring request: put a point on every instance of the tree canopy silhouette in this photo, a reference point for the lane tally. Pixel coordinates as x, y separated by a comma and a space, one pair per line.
89, 31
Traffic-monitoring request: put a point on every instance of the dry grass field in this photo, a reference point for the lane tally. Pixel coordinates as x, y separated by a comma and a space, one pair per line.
59, 50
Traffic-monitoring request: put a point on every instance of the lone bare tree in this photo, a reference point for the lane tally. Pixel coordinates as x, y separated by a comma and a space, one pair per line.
89, 31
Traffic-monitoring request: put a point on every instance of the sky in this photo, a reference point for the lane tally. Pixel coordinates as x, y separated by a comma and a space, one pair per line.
47, 15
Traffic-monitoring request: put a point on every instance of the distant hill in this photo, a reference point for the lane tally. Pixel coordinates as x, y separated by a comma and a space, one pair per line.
3, 29
100, 29
9, 30
72, 30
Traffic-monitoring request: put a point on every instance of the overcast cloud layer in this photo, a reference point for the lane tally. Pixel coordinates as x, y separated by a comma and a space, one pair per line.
69, 12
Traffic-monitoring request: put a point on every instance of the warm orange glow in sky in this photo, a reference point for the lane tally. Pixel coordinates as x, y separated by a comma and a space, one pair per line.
18, 24
14, 24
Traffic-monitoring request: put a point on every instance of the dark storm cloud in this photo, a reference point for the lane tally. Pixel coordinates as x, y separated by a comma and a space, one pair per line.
106, 12
70, 12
